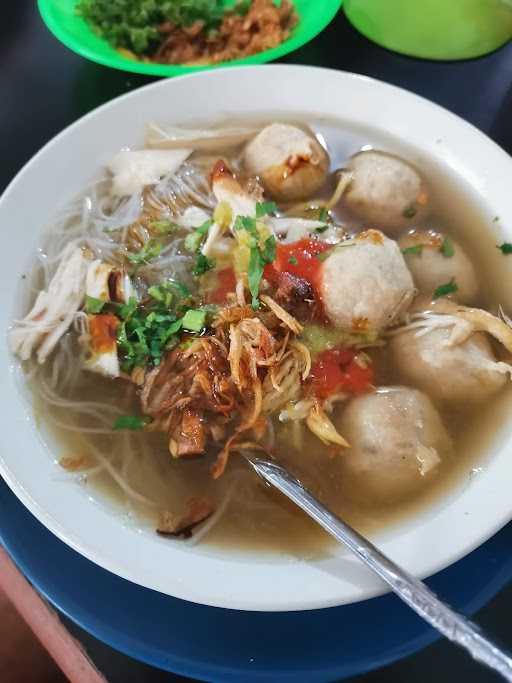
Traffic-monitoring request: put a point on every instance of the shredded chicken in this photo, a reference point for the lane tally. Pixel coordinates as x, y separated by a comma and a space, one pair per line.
54, 310
482, 321
464, 320
233, 200
283, 315
226, 188
323, 428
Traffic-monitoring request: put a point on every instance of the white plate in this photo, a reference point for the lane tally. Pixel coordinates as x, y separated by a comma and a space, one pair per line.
435, 538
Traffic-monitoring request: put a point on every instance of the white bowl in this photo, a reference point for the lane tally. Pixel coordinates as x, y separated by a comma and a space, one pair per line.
435, 537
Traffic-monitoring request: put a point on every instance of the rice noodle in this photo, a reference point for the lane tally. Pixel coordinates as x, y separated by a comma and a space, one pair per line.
201, 531
120, 481
178, 191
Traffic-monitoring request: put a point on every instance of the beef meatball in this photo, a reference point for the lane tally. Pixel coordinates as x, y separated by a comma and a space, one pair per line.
291, 164
465, 372
364, 284
386, 192
397, 440
435, 260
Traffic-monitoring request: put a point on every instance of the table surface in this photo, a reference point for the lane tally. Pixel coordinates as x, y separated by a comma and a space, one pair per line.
44, 87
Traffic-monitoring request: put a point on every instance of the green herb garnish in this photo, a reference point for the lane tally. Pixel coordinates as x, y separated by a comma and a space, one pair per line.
447, 248
324, 255
264, 208
132, 24
167, 291
194, 240
125, 311
93, 305
162, 293
321, 228
194, 320
149, 251
254, 274
163, 227
148, 329
246, 223
203, 265
257, 260
132, 422
268, 253
259, 255
416, 249
292, 260
409, 211
319, 338
506, 248
447, 288
323, 214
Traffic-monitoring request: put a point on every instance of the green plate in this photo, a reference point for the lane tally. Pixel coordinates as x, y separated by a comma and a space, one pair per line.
60, 17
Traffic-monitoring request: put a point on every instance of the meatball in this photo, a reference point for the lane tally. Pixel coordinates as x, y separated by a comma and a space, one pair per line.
397, 440
364, 284
465, 372
435, 260
290, 162
386, 192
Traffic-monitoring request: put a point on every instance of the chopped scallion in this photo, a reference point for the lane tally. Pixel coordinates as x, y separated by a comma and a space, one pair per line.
194, 239
323, 215
163, 227
194, 320
447, 248
93, 305
203, 265
445, 289
264, 208
415, 249
149, 251
409, 211
132, 422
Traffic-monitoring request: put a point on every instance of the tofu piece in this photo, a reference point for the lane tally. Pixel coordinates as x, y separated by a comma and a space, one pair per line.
133, 170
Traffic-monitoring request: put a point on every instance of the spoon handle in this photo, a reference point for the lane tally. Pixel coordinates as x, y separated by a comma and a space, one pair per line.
412, 591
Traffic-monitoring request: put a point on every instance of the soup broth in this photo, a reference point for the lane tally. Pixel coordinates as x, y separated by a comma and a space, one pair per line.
133, 471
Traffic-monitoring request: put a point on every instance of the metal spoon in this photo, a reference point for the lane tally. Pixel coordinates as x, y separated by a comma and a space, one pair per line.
412, 591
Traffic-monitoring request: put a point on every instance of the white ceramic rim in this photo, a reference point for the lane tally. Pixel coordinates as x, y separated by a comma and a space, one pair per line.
437, 538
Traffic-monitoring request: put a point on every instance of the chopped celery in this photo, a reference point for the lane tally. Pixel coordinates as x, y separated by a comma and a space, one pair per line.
319, 338
194, 320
